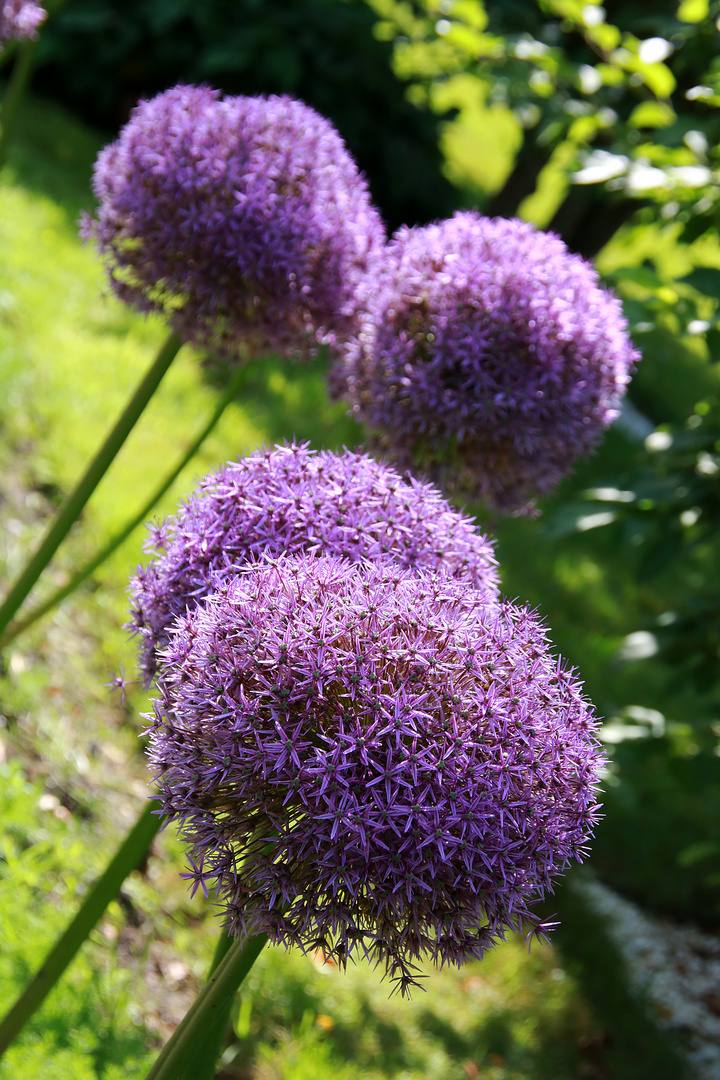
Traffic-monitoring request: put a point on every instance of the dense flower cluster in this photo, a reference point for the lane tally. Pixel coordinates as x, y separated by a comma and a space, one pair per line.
372, 760
244, 220
20, 19
293, 499
490, 357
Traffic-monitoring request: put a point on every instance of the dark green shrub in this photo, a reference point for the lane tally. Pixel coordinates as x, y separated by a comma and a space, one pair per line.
100, 56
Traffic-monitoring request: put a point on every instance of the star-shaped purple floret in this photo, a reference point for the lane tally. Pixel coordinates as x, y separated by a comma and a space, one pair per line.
373, 760
292, 499
244, 220
490, 357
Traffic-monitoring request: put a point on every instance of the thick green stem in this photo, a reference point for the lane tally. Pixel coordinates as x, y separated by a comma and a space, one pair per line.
225, 943
128, 857
202, 1063
76, 502
15, 89
213, 998
19, 626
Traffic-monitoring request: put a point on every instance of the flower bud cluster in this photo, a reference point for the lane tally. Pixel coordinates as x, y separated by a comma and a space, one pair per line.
372, 760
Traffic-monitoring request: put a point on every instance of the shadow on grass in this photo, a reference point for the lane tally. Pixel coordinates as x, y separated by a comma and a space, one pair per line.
51, 153
519, 1039
288, 399
557, 1053
455, 1044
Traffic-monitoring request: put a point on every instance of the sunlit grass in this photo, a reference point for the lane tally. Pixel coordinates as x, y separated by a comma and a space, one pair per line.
512, 1015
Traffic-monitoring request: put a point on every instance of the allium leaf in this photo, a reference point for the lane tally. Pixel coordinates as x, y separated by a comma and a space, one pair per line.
105, 889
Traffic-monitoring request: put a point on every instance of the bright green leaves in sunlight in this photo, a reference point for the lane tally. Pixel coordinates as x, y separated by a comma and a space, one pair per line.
693, 11
651, 114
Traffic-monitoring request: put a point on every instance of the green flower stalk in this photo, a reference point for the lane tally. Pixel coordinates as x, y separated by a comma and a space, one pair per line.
37, 613
76, 502
214, 997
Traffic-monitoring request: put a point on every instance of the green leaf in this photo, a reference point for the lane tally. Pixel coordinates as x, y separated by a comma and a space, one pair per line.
611, 75
651, 114
658, 78
693, 11
712, 339
706, 279
696, 227
471, 12
639, 275
606, 36
696, 852
468, 39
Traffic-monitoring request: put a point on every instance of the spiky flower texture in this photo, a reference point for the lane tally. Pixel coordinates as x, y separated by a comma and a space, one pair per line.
20, 19
291, 499
490, 358
372, 760
244, 220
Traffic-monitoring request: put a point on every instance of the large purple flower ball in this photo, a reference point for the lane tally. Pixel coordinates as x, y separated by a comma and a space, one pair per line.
490, 357
372, 760
244, 220
20, 19
293, 499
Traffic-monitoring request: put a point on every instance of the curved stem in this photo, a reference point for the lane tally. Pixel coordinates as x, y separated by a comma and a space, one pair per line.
128, 856
218, 990
13, 95
19, 626
104, 458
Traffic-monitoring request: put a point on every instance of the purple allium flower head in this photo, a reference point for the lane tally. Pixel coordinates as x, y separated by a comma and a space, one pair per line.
372, 760
491, 357
20, 19
293, 499
244, 220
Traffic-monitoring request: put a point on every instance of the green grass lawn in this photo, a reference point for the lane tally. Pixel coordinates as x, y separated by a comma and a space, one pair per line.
74, 776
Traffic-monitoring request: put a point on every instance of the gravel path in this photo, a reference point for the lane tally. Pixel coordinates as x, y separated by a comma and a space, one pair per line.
675, 967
